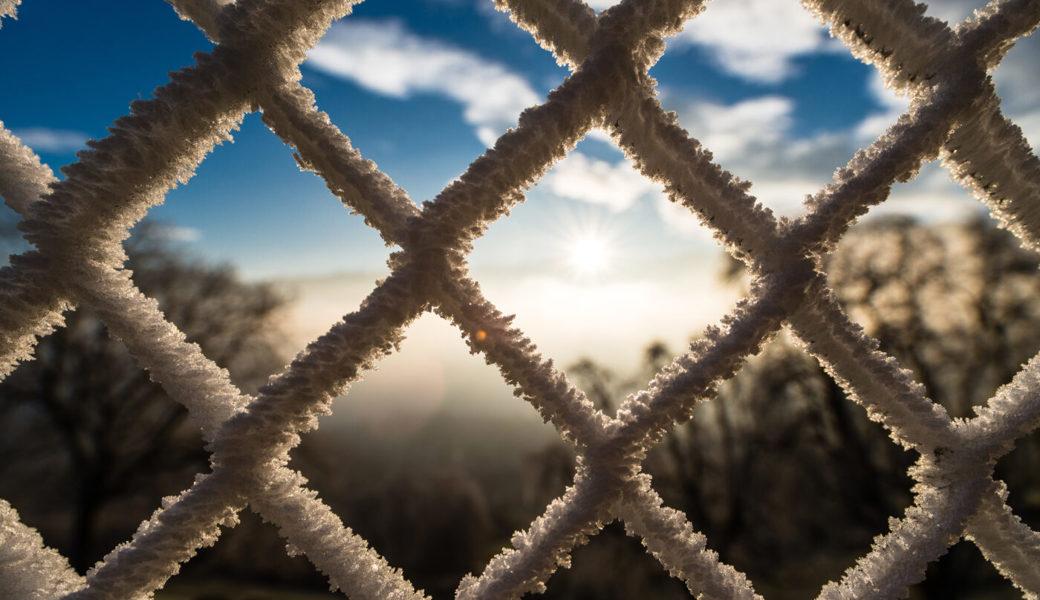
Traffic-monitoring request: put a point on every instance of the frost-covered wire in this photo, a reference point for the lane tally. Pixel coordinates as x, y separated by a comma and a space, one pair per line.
8, 8
77, 225
28, 569
1005, 541
670, 538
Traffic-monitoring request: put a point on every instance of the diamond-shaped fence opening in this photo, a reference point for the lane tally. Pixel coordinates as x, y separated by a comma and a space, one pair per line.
584, 265
256, 164
76, 226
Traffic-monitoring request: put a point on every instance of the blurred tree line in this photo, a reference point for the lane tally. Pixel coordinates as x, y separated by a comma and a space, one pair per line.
88, 442
785, 476
788, 478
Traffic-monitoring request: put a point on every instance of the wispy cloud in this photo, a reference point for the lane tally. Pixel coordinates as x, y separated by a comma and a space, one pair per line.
175, 233
953, 11
1017, 80
756, 39
619, 186
754, 140
615, 185
386, 58
680, 219
753, 39
878, 122
43, 139
735, 131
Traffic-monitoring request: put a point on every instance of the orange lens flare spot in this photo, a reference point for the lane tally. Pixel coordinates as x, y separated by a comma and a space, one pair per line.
481, 335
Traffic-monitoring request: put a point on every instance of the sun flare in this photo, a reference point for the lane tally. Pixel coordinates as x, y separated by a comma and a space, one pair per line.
588, 255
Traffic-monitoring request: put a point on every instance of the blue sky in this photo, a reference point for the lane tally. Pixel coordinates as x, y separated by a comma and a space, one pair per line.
423, 86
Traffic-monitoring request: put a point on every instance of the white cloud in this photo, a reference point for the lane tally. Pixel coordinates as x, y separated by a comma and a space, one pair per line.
756, 39
753, 39
953, 11
787, 194
875, 124
42, 139
1017, 80
1017, 77
386, 58
733, 132
872, 127
885, 96
175, 233
1030, 124
753, 139
617, 186
931, 197
680, 219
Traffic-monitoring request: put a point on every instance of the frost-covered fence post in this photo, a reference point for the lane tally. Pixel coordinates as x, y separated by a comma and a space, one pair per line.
77, 225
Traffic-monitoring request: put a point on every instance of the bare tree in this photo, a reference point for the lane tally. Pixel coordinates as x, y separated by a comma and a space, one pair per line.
781, 471
956, 304
98, 440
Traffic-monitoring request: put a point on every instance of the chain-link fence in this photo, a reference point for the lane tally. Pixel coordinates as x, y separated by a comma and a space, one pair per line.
77, 226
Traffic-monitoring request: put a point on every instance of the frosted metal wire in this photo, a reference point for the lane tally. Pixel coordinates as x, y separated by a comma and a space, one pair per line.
77, 225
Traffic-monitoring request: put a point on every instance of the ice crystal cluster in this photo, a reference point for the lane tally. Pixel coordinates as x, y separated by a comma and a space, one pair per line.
77, 226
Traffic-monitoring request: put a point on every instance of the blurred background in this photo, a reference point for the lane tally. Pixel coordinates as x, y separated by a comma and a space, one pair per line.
430, 457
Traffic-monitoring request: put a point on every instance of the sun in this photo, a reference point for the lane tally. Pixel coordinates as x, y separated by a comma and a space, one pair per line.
588, 255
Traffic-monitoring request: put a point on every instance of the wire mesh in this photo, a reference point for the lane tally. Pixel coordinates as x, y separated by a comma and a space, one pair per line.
77, 225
